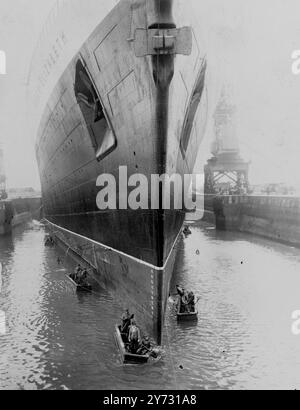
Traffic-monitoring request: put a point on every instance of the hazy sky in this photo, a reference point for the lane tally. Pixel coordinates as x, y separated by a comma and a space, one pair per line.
20, 24
255, 41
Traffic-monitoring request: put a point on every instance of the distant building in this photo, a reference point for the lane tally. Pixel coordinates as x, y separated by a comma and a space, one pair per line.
27, 192
273, 189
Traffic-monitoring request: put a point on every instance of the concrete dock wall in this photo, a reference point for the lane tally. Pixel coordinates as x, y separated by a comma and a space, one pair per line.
18, 211
277, 218
28, 205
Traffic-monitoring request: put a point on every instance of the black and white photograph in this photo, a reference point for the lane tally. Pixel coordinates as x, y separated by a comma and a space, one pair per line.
149, 198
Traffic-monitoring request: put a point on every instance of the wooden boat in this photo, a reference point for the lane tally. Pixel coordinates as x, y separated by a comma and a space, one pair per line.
187, 231
79, 288
128, 358
187, 316
49, 242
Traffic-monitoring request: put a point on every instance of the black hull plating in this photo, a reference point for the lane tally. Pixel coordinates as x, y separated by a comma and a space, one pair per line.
144, 111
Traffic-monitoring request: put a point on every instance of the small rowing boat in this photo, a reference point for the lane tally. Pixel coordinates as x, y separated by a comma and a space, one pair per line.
187, 231
80, 288
128, 358
49, 241
185, 316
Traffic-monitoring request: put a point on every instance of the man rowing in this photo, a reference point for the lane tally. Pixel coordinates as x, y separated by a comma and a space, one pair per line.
134, 337
191, 302
145, 346
187, 230
188, 302
82, 278
131, 336
126, 322
77, 272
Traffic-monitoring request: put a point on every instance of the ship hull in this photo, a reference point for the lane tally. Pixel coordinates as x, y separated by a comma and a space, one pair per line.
136, 285
149, 114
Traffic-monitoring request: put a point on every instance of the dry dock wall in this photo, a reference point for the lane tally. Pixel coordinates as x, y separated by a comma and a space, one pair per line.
33, 206
18, 211
277, 218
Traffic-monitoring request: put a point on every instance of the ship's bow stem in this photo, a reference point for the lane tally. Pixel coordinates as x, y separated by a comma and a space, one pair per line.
163, 41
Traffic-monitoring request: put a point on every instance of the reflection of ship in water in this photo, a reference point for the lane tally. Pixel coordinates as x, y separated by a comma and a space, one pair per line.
136, 95
15, 211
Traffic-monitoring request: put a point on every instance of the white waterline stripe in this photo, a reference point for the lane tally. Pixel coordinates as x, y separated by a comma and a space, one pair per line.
119, 252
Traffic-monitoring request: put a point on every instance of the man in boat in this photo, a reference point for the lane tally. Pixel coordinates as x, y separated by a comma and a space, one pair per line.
83, 278
126, 322
145, 346
49, 241
187, 230
76, 273
134, 337
183, 298
180, 290
191, 302
185, 302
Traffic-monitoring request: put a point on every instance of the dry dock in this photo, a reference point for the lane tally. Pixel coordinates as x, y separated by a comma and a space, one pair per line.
273, 217
58, 339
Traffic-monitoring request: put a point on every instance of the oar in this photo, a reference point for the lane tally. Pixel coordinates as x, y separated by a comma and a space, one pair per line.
152, 351
128, 345
198, 300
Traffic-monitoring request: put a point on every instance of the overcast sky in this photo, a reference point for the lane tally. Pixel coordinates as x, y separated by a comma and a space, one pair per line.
256, 39
20, 24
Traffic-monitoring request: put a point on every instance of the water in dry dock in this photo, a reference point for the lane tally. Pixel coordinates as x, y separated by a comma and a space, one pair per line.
57, 339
